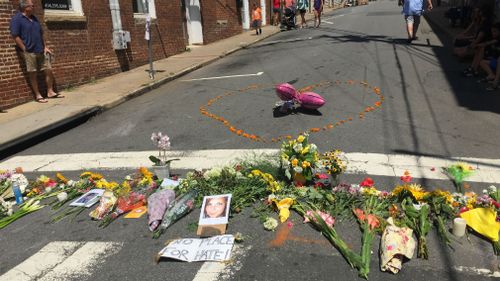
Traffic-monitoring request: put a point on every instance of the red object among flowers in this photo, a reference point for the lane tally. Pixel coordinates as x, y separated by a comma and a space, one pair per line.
367, 182
406, 178
372, 220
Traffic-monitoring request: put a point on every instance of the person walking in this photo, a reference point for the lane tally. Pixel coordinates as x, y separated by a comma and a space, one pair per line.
276, 11
412, 10
318, 9
27, 33
302, 6
257, 19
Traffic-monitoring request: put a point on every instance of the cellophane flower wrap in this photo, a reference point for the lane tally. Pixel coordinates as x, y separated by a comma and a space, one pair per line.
179, 208
124, 204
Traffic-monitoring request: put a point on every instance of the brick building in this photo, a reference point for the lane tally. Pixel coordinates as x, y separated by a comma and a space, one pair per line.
87, 37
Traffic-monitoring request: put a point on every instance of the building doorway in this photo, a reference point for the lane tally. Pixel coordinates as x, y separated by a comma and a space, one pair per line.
193, 22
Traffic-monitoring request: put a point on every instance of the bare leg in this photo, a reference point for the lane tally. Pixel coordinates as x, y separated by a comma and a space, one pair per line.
409, 29
49, 79
415, 26
485, 65
34, 85
478, 56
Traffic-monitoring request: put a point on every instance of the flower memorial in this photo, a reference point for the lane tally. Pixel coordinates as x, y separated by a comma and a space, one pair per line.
300, 179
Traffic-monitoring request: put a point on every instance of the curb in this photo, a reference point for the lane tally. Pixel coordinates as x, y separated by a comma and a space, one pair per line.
93, 110
26, 138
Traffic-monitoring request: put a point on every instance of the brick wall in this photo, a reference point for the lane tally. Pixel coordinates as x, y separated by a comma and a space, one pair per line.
13, 87
83, 49
221, 19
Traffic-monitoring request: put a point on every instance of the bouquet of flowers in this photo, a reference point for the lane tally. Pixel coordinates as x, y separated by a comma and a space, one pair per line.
440, 206
124, 205
332, 163
179, 208
28, 207
299, 159
7, 178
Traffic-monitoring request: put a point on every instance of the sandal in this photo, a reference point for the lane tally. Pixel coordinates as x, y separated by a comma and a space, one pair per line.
492, 87
41, 100
485, 80
57, 96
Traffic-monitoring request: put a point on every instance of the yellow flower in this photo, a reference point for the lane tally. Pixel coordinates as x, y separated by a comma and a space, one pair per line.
145, 172
284, 208
61, 178
305, 149
300, 138
96, 176
305, 164
295, 162
85, 175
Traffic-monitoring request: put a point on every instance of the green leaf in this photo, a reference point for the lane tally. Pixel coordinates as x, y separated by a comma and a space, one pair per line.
155, 160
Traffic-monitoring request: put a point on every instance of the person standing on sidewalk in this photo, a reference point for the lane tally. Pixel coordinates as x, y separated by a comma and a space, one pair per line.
257, 19
318, 9
412, 10
302, 6
28, 36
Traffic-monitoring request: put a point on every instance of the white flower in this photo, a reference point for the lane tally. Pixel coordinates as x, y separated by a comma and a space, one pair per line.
485, 191
271, 197
62, 196
21, 180
212, 173
48, 189
298, 169
239, 175
71, 183
313, 147
297, 147
270, 224
492, 188
285, 162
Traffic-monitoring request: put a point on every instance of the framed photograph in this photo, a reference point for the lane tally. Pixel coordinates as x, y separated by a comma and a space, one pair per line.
215, 209
88, 199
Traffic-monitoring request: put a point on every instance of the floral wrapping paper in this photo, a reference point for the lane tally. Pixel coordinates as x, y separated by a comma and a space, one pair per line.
396, 244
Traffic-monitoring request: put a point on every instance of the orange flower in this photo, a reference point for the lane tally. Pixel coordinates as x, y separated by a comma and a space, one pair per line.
378, 104
359, 214
314, 130
239, 132
232, 129
245, 135
373, 221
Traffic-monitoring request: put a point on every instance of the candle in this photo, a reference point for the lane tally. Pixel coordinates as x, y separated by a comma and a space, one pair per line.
459, 226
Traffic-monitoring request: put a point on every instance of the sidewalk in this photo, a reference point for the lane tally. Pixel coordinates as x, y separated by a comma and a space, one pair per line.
31, 119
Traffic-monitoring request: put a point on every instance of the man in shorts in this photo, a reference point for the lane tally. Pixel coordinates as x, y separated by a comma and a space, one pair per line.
412, 10
28, 35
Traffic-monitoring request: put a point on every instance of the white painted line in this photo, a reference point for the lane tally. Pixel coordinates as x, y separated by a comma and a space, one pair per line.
477, 271
62, 260
215, 271
486, 170
224, 77
328, 22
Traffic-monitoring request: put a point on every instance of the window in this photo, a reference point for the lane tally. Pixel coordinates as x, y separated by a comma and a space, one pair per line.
63, 7
140, 10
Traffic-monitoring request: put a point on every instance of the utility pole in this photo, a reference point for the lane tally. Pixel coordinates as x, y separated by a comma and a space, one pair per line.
148, 37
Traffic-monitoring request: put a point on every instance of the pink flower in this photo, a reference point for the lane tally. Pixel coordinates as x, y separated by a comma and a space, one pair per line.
327, 218
322, 176
359, 214
367, 182
390, 247
289, 224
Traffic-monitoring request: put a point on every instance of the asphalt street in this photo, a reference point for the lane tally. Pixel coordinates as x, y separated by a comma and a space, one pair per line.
424, 108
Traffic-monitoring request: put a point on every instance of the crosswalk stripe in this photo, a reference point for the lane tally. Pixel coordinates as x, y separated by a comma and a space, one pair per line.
394, 165
63, 260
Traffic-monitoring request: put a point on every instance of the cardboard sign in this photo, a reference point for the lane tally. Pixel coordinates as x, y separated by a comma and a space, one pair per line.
217, 248
136, 213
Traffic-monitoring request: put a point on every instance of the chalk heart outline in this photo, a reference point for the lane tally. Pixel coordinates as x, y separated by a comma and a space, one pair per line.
241, 132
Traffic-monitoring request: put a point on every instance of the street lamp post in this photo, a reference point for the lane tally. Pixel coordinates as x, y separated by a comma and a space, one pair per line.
148, 37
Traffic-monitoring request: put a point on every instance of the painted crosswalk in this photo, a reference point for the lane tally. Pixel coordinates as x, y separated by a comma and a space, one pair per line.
394, 165
63, 260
